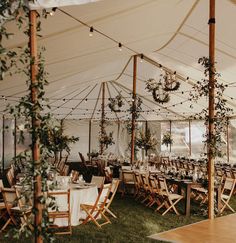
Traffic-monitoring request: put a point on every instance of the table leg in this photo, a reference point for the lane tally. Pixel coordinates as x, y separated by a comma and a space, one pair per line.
187, 200
218, 198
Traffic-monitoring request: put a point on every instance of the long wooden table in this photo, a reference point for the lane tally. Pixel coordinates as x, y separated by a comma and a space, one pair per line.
187, 185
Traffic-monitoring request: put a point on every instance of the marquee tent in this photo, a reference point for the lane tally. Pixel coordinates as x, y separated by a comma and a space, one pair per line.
171, 33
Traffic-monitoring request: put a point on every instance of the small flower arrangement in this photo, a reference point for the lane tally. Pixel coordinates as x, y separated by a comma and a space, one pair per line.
167, 139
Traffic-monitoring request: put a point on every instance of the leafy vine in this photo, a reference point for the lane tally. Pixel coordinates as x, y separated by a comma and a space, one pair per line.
222, 111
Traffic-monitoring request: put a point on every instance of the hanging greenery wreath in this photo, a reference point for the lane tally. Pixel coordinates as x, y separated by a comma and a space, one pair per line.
158, 92
116, 103
170, 84
164, 99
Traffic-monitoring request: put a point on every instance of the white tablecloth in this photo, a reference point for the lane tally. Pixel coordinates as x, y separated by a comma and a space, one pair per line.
77, 196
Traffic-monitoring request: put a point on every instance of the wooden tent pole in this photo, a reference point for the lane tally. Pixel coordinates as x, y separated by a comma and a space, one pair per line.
3, 143
211, 109
133, 110
146, 129
170, 133
89, 145
190, 137
103, 117
227, 137
35, 124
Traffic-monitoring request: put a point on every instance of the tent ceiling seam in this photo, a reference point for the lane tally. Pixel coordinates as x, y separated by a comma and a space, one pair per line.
179, 28
95, 107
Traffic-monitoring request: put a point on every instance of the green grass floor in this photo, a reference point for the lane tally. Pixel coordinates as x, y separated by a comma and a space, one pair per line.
133, 224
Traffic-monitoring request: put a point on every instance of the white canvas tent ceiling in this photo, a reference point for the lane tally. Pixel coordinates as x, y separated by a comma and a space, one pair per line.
171, 32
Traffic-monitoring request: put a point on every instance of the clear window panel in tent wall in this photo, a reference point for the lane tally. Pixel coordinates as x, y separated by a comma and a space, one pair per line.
180, 136
232, 141
198, 130
1, 154
23, 137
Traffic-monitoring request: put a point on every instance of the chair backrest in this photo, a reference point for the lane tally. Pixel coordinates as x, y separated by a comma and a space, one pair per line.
98, 181
10, 198
108, 170
1, 185
74, 175
228, 173
10, 177
103, 195
126, 167
145, 181
137, 179
62, 200
65, 170
153, 183
162, 186
128, 176
114, 186
82, 157
228, 187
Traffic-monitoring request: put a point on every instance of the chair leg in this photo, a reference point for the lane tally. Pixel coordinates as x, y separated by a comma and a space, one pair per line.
6, 224
110, 212
226, 204
172, 206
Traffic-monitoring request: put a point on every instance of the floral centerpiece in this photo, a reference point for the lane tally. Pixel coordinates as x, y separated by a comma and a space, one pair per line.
57, 142
146, 140
106, 139
93, 154
167, 139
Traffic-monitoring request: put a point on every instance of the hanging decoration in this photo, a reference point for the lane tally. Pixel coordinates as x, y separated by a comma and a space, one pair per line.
116, 103
170, 82
106, 139
159, 90
145, 140
167, 139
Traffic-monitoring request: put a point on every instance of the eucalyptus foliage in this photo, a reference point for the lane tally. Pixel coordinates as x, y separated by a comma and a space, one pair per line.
222, 111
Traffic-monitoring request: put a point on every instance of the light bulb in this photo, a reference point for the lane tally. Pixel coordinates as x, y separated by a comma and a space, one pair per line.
120, 46
91, 31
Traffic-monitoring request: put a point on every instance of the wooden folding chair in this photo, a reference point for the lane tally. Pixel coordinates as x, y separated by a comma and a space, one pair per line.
10, 201
98, 181
65, 170
139, 189
127, 181
74, 174
60, 165
62, 211
18, 212
169, 199
108, 174
146, 187
98, 208
154, 189
3, 210
114, 186
10, 177
226, 193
